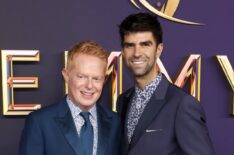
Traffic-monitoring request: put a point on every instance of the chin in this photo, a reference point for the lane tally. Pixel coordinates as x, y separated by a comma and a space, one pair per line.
87, 105
139, 74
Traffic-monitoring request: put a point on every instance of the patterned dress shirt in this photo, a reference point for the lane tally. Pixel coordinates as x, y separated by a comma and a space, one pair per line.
138, 104
79, 121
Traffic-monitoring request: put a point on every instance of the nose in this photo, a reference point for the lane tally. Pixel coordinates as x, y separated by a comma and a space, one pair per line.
89, 84
137, 51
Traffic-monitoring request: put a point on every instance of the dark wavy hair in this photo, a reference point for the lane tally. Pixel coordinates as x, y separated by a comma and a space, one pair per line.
141, 22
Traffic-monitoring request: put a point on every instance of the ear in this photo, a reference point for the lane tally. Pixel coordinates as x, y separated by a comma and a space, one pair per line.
65, 74
123, 53
159, 50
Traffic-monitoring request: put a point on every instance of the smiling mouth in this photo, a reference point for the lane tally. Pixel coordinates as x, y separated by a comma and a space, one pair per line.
87, 94
137, 62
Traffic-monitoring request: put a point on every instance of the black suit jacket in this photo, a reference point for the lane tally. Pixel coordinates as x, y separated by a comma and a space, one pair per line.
51, 131
172, 123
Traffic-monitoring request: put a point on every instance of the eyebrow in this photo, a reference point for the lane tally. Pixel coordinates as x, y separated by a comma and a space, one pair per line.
128, 43
146, 42
141, 43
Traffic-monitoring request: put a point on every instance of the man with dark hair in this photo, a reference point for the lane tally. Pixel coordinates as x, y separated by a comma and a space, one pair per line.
77, 125
157, 117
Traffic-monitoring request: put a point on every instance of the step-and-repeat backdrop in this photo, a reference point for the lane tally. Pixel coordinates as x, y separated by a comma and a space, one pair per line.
35, 35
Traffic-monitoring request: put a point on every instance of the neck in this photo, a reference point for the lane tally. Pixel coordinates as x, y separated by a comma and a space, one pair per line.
81, 107
142, 81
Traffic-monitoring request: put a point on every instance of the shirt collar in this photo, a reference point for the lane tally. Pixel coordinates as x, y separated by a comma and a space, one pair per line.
149, 88
75, 110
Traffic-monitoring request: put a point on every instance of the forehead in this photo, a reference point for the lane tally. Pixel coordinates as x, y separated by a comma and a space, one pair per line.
84, 63
137, 37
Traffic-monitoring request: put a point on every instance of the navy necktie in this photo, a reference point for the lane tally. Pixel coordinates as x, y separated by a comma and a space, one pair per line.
86, 134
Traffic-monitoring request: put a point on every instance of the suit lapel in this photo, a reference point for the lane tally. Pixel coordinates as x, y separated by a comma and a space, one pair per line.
124, 117
104, 127
151, 110
67, 126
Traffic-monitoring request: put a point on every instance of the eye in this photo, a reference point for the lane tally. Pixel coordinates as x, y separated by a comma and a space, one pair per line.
146, 44
97, 79
128, 45
81, 77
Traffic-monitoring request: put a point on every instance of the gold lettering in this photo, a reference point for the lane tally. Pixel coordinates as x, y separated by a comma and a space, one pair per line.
228, 71
9, 82
190, 71
115, 73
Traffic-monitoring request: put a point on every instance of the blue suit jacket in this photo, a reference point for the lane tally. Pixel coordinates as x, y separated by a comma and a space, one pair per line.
51, 131
172, 123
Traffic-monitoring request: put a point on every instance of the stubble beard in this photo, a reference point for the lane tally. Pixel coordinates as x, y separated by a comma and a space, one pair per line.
141, 73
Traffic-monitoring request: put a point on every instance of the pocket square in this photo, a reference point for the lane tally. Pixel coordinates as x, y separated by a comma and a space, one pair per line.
153, 130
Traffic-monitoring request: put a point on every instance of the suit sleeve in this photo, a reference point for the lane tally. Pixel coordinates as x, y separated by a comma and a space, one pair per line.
31, 142
191, 130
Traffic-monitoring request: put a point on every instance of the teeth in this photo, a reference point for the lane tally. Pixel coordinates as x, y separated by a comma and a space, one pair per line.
137, 62
87, 93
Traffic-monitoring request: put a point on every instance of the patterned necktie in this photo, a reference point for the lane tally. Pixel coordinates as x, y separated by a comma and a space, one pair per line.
86, 134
